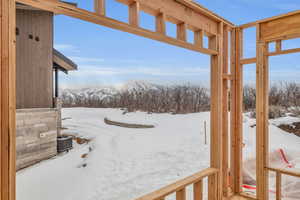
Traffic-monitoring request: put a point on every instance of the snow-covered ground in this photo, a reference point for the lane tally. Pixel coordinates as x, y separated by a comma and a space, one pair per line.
122, 163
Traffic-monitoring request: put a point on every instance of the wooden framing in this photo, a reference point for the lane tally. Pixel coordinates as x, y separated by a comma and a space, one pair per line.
7, 98
186, 15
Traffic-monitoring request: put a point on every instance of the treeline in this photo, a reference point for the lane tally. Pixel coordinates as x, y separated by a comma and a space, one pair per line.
179, 98
160, 99
284, 94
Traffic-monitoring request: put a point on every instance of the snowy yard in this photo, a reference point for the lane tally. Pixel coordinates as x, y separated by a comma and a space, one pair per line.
123, 163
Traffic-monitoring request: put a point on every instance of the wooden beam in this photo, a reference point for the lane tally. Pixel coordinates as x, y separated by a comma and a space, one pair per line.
225, 112
215, 192
287, 27
99, 7
72, 11
8, 99
262, 125
177, 12
276, 53
134, 13
170, 189
161, 23
236, 110
181, 31
253, 24
246, 61
285, 172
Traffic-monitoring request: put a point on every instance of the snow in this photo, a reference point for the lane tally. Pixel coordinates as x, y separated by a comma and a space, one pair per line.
127, 163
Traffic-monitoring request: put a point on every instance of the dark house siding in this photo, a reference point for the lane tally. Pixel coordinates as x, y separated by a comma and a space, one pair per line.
34, 59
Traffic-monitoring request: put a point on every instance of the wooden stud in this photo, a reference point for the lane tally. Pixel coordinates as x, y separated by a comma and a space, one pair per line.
99, 6
278, 186
225, 113
181, 31
181, 194
134, 13
198, 190
7, 98
72, 11
278, 46
212, 44
198, 37
215, 192
236, 110
161, 23
262, 126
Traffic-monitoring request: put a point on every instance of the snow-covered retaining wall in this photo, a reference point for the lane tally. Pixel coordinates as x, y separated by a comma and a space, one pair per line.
36, 131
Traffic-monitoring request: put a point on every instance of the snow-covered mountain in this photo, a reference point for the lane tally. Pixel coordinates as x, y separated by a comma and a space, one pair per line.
106, 93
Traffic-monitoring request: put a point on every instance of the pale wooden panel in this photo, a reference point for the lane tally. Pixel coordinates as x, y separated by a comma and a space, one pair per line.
34, 59
178, 13
282, 28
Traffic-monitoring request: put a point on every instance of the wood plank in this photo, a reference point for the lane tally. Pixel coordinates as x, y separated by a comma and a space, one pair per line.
99, 7
198, 38
285, 172
134, 13
181, 194
225, 112
8, 72
252, 24
246, 61
283, 28
215, 182
262, 126
161, 23
177, 12
181, 32
278, 186
198, 190
278, 45
167, 190
236, 110
72, 11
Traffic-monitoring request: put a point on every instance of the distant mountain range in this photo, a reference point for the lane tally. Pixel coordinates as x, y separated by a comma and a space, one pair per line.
106, 93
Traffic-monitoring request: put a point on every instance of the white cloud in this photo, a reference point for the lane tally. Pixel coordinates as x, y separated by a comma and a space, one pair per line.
66, 47
86, 59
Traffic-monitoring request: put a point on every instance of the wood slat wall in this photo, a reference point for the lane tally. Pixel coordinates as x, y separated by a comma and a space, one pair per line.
34, 59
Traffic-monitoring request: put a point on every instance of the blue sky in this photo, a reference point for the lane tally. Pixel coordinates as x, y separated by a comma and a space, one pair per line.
111, 57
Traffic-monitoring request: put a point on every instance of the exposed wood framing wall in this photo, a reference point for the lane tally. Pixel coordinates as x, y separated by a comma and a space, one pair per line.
185, 15
7, 98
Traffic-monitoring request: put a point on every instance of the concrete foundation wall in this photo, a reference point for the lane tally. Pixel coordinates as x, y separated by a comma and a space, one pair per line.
36, 131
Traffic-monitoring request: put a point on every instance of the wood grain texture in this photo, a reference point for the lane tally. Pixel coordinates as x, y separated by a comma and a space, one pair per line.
34, 59
72, 11
8, 99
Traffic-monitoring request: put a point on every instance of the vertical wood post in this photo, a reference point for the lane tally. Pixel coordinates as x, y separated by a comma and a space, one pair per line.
134, 13
278, 185
161, 23
8, 99
225, 114
262, 126
198, 38
215, 182
181, 31
236, 110
198, 190
99, 6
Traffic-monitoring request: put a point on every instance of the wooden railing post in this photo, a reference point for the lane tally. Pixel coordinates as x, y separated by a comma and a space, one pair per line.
198, 190
278, 186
